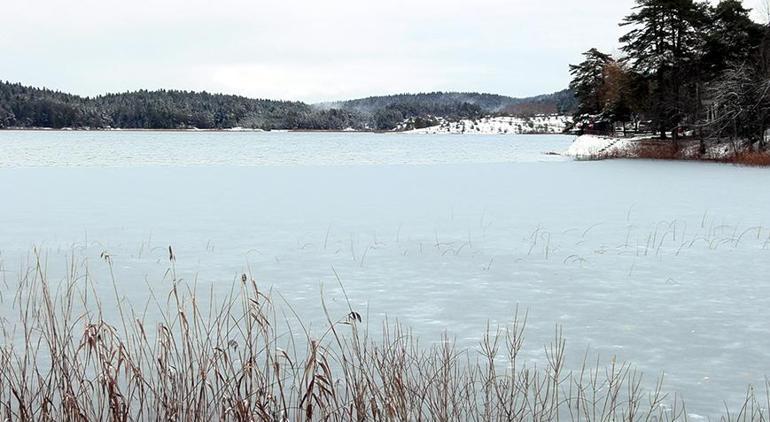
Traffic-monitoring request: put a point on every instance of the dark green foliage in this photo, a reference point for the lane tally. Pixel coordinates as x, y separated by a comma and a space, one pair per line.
664, 34
689, 66
7, 118
732, 38
181, 109
664, 44
565, 101
388, 111
562, 102
31, 107
387, 118
421, 122
436, 103
22, 106
588, 80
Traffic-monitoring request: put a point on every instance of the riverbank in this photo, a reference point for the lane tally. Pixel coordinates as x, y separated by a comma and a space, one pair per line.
594, 147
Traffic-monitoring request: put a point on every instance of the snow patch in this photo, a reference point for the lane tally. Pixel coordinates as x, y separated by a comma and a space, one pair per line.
244, 129
595, 147
501, 125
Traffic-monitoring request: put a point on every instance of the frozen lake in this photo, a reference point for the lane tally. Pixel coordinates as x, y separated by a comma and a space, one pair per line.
662, 264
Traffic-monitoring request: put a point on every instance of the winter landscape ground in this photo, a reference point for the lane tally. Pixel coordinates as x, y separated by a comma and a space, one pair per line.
602, 147
451, 237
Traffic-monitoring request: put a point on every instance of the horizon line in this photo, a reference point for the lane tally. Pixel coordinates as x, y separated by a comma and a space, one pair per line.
67, 92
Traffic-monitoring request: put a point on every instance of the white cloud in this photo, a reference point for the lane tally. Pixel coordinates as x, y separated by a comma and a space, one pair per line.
335, 80
304, 49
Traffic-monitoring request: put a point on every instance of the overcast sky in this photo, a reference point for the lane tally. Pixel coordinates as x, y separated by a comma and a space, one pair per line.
310, 50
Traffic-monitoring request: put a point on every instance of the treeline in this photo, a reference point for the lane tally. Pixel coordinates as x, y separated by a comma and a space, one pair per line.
22, 106
562, 102
386, 112
687, 68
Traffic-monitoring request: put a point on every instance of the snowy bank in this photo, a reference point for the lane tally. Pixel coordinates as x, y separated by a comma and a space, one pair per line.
598, 147
593, 147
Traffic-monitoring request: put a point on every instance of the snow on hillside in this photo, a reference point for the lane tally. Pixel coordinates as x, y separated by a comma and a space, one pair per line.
501, 125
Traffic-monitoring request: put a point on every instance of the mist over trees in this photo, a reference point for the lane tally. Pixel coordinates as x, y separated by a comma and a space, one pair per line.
687, 67
22, 106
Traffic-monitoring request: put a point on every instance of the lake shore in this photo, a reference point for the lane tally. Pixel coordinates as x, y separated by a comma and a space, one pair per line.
595, 147
249, 356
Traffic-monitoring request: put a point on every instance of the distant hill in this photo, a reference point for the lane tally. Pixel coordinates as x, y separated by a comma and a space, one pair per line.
22, 106
559, 102
562, 102
388, 111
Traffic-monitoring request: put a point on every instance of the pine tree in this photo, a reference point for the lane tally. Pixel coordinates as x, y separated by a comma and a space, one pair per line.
732, 38
587, 82
664, 42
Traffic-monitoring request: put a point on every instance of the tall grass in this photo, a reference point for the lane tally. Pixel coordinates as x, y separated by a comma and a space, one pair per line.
66, 356
753, 159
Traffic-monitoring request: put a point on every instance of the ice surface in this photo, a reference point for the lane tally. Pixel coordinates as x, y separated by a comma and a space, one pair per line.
276, 148
663, 264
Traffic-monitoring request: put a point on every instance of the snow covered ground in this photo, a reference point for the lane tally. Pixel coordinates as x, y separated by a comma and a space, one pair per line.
501, 125
593, 147
597, 147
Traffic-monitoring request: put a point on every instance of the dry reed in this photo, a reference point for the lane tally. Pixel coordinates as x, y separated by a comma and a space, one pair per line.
65, 358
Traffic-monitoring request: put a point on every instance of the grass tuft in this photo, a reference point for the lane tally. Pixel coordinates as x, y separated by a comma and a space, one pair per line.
753, 159
66, 358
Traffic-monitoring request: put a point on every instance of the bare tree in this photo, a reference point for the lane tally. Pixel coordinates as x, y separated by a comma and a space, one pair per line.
742, 98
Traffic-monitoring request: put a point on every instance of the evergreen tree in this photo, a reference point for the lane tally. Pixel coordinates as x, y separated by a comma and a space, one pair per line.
163, 109
663, 44
587, 82
6, 118
732, 38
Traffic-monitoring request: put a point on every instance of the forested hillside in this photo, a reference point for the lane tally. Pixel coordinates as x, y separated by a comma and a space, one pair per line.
388, 111
22, 106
